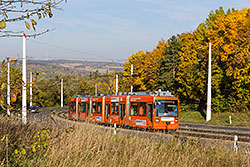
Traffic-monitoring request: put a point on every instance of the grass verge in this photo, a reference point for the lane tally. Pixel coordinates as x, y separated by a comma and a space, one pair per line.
222, 118
85, 145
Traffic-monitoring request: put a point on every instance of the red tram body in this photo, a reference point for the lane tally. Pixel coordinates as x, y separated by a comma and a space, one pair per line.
149, 110
72, 108
84, 107
79, 107
97, 109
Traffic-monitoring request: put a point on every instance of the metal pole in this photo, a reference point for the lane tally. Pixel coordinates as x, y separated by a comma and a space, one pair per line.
30, 89
77, 106
62, 93
24, 98
115, 129
208, 117
8, 86
132, 68
116, 86
235, 143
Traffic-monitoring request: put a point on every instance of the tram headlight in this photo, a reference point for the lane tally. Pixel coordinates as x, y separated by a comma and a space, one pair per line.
157, 120
176, 120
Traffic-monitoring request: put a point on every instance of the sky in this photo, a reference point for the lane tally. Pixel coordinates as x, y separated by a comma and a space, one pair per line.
111, 30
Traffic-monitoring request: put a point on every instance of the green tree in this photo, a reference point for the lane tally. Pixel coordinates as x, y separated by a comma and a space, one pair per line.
86, 86
170, 64
46, 92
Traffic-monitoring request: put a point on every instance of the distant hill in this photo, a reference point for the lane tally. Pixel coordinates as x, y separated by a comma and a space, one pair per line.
52, 68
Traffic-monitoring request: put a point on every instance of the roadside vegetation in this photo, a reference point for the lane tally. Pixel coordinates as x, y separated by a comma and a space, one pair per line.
189, 114
37, 144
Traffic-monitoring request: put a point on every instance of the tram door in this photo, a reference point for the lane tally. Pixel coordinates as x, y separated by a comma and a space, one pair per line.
122, 112
80, 110
107, 112
150, 114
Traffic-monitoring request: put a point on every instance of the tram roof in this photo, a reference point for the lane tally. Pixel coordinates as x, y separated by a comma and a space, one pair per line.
145, 93
81, 96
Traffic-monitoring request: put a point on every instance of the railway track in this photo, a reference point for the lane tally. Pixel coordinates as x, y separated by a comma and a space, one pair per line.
214, 134
203, 132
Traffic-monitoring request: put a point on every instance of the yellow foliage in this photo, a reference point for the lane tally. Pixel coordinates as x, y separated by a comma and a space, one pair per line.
146, 68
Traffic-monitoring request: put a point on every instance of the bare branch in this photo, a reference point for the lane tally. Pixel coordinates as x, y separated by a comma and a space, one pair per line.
19, 10
20, 34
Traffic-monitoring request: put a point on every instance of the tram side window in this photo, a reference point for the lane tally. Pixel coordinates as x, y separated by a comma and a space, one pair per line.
134, 109
107, 110
94, 107
138, 109
142, 108
150, 111
99, 109
122, 110
114, 108
87, 108
84, 107
72, 106
79, 107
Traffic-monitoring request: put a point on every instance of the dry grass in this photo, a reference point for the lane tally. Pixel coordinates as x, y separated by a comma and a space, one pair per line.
88, 146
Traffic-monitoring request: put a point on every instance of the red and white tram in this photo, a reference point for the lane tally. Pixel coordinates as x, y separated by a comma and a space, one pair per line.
149, 110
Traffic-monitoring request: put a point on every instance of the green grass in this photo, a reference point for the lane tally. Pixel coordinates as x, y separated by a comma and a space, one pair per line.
238, 119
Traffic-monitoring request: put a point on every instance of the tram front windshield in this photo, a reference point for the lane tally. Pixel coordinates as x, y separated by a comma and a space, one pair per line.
167, 108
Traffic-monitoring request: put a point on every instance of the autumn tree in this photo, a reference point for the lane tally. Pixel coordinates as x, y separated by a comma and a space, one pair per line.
183, 66
26, 12
138, 60
106, 85
192, 74
151, 68
213, 16
146, 69
228, 33
86, 86
15, 86
188, 70
230, 39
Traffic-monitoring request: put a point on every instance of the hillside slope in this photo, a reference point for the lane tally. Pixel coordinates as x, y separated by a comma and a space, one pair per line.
52, 68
